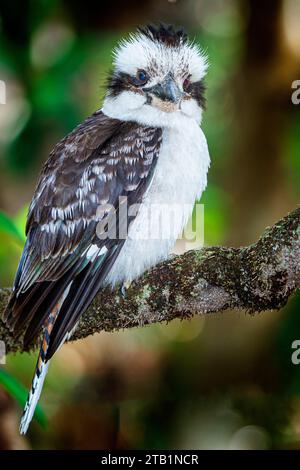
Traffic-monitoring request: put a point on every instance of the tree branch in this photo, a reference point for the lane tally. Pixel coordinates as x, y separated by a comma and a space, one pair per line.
259, 277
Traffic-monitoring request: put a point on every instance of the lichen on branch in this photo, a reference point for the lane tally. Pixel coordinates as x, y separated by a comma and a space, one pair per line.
256, 278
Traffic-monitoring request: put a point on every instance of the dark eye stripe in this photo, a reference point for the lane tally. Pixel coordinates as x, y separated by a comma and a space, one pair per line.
118, 82
197, 91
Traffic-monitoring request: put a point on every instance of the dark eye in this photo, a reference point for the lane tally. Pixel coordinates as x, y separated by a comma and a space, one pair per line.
186, 84
142, 77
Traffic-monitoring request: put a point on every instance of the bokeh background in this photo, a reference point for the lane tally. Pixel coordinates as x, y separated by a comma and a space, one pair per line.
221, 382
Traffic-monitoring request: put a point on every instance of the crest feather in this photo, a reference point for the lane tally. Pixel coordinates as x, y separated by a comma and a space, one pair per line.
165, 33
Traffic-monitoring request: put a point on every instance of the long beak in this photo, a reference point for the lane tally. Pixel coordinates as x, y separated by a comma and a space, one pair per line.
166, 91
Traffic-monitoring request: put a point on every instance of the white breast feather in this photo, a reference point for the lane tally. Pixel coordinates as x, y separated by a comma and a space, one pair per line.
180, 178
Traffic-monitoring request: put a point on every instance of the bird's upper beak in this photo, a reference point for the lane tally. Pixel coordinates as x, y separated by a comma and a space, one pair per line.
167, 90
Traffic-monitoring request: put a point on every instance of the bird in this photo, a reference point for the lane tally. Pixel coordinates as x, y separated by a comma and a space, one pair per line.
144, 148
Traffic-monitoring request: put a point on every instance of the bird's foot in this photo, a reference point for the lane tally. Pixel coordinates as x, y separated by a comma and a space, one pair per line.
125, 285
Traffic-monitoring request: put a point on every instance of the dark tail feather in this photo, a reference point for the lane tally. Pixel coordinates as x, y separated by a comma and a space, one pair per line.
41, 368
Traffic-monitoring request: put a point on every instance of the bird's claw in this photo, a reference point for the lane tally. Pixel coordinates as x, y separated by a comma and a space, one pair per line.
125, 285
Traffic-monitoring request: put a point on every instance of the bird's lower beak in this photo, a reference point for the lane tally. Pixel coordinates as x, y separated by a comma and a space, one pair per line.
167, 91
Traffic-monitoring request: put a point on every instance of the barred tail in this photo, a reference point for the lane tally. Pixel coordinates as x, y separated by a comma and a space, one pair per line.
34, 394
41, 368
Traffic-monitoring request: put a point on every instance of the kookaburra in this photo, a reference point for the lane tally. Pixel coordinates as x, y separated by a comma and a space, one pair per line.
144, 146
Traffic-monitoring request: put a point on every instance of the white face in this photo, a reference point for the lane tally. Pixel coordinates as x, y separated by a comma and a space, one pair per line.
155, 83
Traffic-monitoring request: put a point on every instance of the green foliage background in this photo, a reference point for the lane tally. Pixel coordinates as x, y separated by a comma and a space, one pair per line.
226, 381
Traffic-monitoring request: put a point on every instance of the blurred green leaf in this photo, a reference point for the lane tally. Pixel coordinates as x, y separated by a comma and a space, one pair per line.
8, 226
19, 393
20, 221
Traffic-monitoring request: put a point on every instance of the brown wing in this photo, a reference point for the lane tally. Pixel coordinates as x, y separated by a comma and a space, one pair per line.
101, 160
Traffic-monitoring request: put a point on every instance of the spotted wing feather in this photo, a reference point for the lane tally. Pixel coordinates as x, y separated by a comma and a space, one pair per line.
85, 175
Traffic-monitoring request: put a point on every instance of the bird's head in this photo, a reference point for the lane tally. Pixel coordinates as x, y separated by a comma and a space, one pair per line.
157, 78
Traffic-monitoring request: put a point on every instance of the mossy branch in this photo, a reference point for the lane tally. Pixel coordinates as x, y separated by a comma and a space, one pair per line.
256, 278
